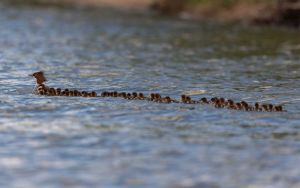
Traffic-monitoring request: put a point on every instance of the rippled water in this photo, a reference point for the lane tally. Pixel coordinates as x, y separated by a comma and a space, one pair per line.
102, 142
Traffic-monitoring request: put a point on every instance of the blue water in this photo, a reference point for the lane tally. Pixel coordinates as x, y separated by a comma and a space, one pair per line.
110, 142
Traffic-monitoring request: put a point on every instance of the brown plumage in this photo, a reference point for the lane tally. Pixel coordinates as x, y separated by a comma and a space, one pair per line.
58, 91
104, 94
94, 94
204, 100
168, 99
278, 108
141, 96
183, 98
188, 99
134, 95
40, 77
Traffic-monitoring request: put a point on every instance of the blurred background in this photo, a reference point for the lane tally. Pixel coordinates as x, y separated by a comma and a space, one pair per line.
282, 12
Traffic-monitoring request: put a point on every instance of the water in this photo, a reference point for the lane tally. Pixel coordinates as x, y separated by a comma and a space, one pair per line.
103, 142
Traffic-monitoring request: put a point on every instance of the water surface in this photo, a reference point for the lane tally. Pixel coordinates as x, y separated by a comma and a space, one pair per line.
102, 142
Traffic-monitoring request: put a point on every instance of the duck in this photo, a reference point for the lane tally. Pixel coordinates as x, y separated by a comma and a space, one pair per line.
124, 95
141, 96
204, 100
245, 105
134, 95
265, 107
183, 98
115, 94
40, 79
41, 89
218, 103
94, 94
128, 96
58, 91
84, 94
213, 100
52, 92
278, 108
76, 93
188, 100
222, 101
257, 107
71, 93
166, 99
270, 106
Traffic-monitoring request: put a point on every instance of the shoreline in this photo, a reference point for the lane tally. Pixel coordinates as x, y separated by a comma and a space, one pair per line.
260, 13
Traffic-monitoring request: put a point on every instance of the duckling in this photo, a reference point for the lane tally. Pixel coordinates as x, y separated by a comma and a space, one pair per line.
245, 105
204, 100
103, 94
124, 95
270, 106
41, 89
128, 96
188, 100
115, 94
183, 98
238, 106
157, 96
76, 93
141, 96
222, 101
84, 94
52, 92
231, 104
108, 94
257, 107
89, 94
152, 97
58, 91
79, 93
278, 108
134, 95
251, 108
71, 93
213, 100
166, 99
265, 107
218, 103
67, 93
94, 94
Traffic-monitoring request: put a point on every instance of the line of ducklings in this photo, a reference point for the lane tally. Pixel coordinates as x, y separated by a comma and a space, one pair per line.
44, 90
156, 97
215, 101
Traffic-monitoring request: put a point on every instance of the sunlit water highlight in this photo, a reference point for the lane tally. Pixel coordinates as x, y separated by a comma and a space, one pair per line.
109, 142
